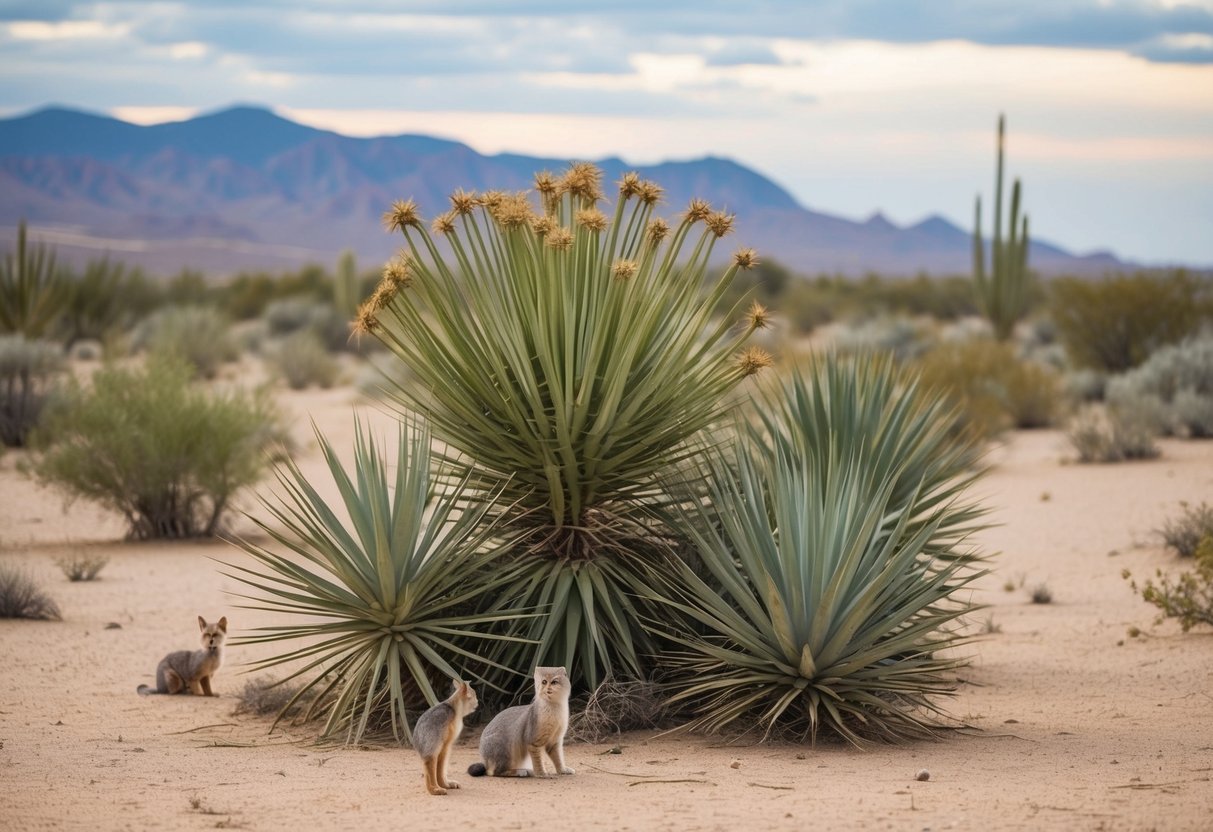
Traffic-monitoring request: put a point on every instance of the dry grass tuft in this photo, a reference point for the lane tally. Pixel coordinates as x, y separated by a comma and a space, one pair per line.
615, 707
20, 597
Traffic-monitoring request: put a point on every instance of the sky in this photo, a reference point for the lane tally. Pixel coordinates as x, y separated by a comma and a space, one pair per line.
854, 106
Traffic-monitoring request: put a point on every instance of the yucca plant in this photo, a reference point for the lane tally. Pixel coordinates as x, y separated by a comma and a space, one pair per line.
833, 550
31, 288
382, 602
574, 353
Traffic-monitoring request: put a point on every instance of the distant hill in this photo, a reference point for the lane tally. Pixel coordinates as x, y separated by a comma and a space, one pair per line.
244, 188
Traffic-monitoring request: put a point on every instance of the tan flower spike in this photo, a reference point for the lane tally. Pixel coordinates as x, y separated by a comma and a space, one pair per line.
403, 214
720, 223
758, 317
753, 359
657, 230
444, 223
746, 258
463, 202
629, 185
543, 226
698, 210
593, 219
650, 193
623, 270
583, 180
560, 239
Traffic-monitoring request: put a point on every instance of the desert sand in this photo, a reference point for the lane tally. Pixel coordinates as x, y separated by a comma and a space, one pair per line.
1073, 723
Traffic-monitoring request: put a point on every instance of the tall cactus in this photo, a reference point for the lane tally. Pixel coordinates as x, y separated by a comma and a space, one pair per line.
1002, 293
345, 286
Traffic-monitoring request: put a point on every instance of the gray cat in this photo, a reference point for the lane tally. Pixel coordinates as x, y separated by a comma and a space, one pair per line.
436, 732
190, 671
512, 745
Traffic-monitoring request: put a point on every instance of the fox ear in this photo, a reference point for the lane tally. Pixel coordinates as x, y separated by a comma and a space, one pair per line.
201, 623
223, 624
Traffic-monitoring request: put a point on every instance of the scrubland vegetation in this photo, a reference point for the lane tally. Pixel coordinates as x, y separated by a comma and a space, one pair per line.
643, 456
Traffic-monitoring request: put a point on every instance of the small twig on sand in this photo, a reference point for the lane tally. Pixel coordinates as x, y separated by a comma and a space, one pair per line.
202, 728
618, 773
680, 780
766, 786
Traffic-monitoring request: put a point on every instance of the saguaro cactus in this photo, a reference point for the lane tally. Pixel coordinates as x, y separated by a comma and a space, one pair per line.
1002, 292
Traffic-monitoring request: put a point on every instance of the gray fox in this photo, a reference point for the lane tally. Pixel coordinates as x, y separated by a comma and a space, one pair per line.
436, 731
190, 671
513, 743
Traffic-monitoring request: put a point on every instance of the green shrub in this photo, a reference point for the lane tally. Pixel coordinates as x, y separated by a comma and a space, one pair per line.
302, 360
1113, 434
31, 289
291, 315
197, 334
105, 300
381, 601
901, 337
1116, 323
28, 370
833, 548
1185, 533
572, 354
994, 388
144, 442
1177, 383
21, 597
1189, 597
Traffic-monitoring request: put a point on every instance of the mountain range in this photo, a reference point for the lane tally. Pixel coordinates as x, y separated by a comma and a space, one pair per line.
244, 188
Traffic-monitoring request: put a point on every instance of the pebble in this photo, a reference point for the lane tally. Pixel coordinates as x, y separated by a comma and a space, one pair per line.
923, 775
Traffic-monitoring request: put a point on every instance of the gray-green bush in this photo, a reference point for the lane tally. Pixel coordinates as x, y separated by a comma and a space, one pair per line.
302, 360
1185, 533
198, 334
1113, 434
28, 372
1177, 383
148, 444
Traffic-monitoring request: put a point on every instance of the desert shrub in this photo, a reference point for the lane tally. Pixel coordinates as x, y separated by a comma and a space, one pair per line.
1185, 533
146, 443
1116, 323
21, 597
1084, 385
31, 289
994, 388
28, 372
80, 566
1041, 594
573, 355
1177, 383
1113, 434
902, 337
105, 300
301, 359
197, 334
380, 601
1188, 598
296, 314
833, 546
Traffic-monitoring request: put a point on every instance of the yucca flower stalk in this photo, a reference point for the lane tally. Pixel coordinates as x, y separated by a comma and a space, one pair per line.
567, 345
383, 601
834, 555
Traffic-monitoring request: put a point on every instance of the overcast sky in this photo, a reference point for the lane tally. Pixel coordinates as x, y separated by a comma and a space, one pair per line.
855, 107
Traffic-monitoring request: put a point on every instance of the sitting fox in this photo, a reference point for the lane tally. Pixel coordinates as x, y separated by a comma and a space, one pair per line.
190, 671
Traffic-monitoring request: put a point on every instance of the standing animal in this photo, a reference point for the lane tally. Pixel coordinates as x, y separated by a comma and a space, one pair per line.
436, 731
513, 743
190, 671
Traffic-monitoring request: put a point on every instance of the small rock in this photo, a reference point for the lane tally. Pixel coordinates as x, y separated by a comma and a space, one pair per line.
113, 625
735, 764
799, 756
922, 774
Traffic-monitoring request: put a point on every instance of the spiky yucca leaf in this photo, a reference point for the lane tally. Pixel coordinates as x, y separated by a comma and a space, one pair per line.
383, 602
575, 353
833, 547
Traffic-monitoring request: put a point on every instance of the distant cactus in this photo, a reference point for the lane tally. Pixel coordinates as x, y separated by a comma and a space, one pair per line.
1002, 293
345, 287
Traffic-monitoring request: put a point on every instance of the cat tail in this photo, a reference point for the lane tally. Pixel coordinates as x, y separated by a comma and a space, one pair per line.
144, 690
477, 770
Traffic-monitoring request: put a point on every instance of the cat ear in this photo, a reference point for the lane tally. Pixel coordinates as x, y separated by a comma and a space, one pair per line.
201, 623
562, 671
223, 623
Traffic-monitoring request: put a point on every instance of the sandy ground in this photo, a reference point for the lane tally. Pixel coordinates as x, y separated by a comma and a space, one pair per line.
1076, 725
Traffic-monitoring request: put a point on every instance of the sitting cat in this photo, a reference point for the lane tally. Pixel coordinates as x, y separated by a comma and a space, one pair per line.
521, 734
190, 671
436, 731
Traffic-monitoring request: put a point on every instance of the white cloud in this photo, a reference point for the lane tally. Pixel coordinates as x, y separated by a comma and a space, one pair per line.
40, 30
